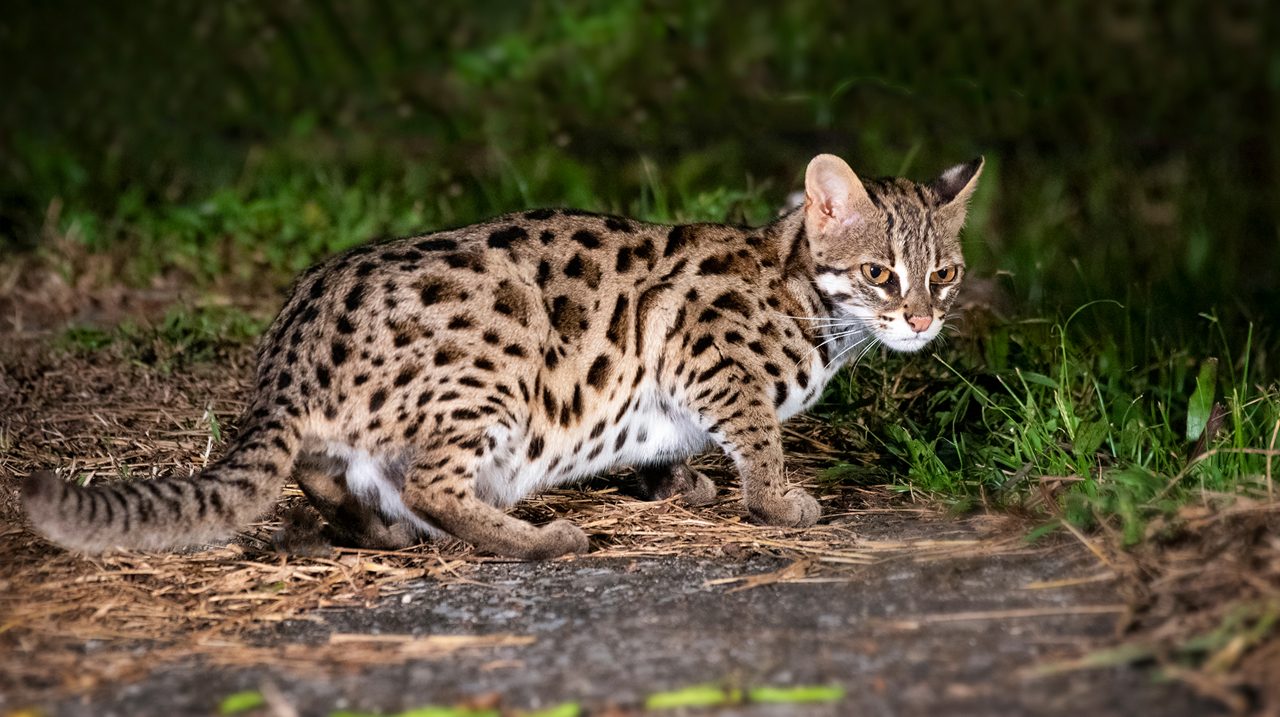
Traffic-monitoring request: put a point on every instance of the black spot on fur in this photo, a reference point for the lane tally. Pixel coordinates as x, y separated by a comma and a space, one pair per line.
618, 224
538, 215
345, 326
676, 238
437, 245
781, 396
464, 261
354, 297
598, 374
623, 263
515, 350
322, 376
574, 268
713, 265
338, 352
617, 332
568, 317
587, 239
502, 238
483, 364
702, 344
433, 290
731, 301
406, 375
460, 322
378, 398
536, 444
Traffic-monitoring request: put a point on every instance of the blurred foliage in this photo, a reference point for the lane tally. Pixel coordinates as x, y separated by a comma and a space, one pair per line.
1131, 145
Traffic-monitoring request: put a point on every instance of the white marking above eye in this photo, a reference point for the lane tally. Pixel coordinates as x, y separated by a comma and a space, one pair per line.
904, 281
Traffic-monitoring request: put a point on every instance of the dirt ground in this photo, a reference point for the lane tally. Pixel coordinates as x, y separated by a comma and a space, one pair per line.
907, 609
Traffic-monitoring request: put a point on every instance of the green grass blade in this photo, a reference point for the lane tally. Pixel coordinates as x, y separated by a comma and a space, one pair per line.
1201, 404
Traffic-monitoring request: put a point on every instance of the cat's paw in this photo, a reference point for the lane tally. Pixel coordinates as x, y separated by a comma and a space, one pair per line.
698, 491
559, 537
803, 508
302, 536
796, 509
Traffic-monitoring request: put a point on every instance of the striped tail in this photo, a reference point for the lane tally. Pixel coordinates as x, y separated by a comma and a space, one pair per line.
168, 512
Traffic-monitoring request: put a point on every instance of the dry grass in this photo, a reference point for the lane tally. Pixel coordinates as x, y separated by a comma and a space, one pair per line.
70, 623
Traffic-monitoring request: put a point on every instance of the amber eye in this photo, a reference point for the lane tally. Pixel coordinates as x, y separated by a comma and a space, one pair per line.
945, 275
875, 273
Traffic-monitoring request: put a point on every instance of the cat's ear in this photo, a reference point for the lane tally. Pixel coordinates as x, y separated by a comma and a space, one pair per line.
954, 189
834, 196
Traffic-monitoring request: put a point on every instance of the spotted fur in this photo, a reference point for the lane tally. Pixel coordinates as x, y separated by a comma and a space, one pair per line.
419, 386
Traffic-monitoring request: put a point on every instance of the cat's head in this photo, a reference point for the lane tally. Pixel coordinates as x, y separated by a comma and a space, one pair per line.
888, 251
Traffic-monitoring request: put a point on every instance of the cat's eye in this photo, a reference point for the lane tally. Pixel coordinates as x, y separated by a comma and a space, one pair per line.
875, 273
945, 275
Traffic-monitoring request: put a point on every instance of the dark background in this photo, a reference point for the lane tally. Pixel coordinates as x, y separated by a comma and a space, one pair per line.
1131, 146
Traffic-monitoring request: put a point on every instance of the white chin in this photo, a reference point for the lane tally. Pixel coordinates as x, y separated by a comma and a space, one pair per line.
907, 345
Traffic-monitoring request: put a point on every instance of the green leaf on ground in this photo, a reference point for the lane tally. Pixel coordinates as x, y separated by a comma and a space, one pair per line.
568, 709
696, 696
238, 702
795, 695
1201, 405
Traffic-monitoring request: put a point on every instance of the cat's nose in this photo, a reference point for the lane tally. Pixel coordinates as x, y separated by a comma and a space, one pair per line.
919, 323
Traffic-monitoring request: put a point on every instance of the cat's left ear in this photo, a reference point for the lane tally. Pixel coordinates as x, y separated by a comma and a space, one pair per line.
954, 189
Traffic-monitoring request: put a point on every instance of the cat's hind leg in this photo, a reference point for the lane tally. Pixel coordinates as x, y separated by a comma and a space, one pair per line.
349, 521
662, 481
442, 489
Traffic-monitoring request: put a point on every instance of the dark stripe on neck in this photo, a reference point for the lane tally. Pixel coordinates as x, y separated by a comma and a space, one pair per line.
798, 241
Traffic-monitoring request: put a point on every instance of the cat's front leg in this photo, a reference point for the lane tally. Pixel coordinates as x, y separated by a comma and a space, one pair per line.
746, 428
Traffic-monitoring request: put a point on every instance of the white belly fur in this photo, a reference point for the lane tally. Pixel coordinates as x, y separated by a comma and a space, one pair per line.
505, 476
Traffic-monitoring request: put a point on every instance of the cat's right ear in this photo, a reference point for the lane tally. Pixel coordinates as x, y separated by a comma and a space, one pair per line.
834, 196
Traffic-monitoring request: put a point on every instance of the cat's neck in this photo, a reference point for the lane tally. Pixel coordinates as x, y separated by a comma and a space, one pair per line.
838, 336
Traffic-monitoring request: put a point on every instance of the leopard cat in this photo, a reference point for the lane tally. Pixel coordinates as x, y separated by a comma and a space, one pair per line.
419, 387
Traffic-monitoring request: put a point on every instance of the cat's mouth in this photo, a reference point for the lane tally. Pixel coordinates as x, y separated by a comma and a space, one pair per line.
904, 340
910, 345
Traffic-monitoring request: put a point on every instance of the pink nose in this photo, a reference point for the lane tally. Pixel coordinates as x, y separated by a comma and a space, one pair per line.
919, 323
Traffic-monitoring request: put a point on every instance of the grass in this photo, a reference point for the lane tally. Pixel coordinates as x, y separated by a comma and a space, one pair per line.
185, 335
1071, 422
